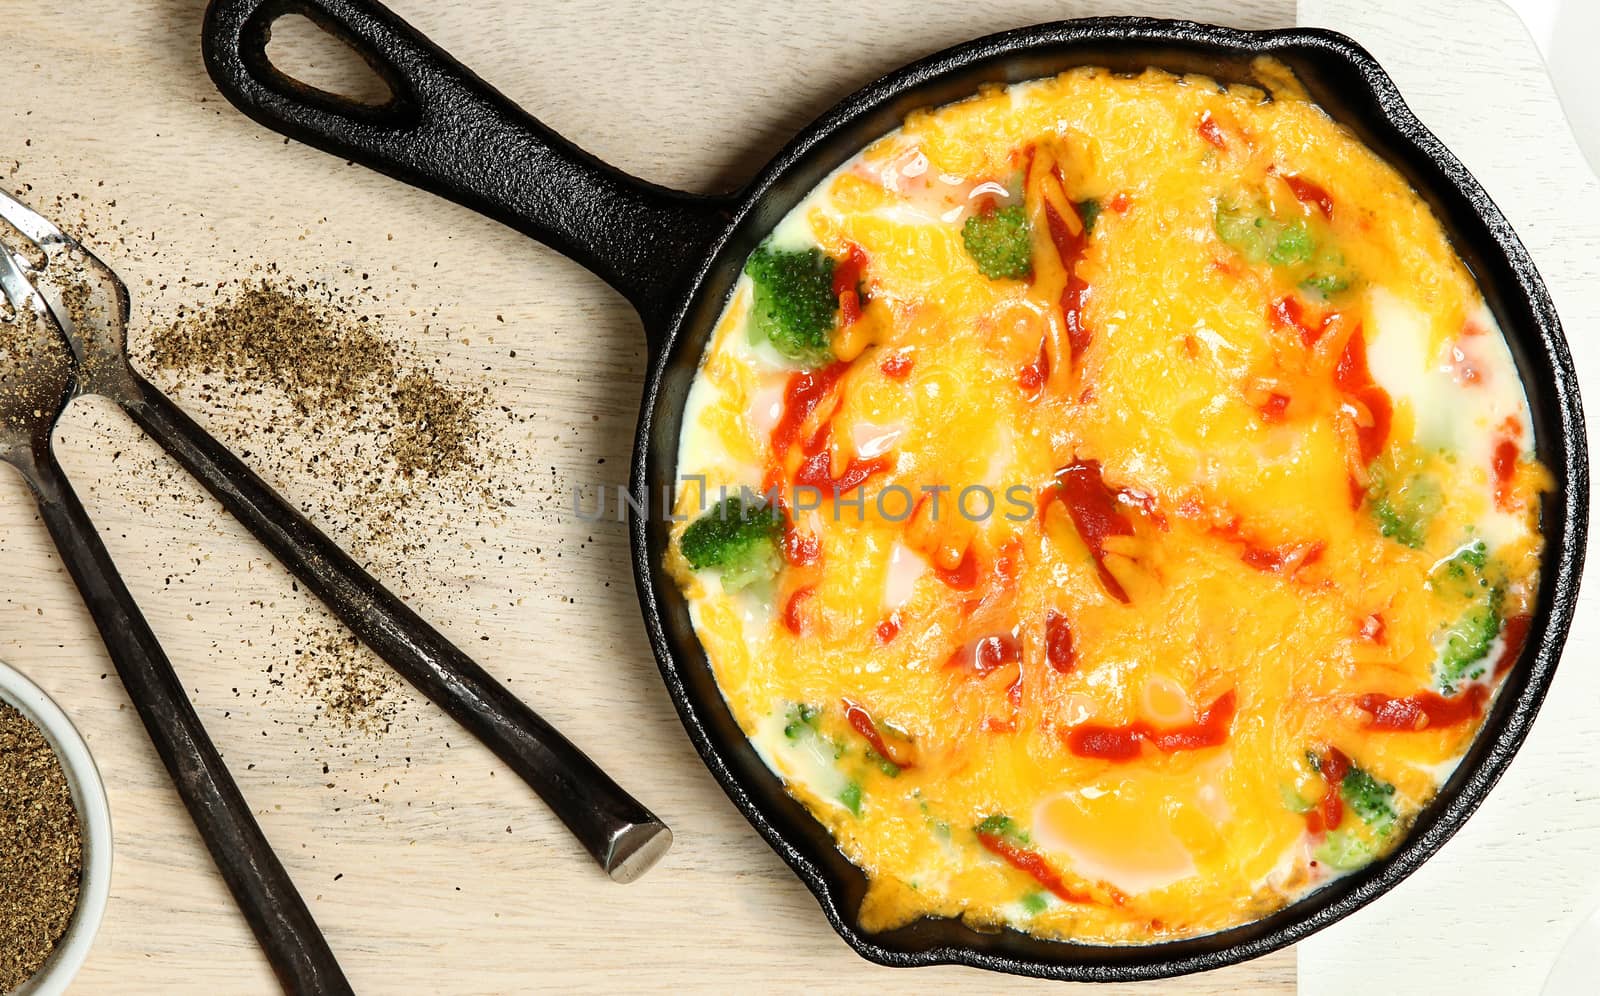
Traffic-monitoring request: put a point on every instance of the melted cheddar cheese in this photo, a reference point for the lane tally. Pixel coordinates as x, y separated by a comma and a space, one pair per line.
1134, 594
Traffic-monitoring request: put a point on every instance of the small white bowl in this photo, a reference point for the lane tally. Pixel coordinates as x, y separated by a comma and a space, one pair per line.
94, 824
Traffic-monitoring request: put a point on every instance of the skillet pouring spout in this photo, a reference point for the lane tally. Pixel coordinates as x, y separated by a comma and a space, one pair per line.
677, 257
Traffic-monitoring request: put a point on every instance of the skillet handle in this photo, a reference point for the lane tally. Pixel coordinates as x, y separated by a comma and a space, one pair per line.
294, 945
624, 838
447, 131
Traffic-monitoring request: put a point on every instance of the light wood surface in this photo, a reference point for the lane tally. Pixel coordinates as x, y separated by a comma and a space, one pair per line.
430, 867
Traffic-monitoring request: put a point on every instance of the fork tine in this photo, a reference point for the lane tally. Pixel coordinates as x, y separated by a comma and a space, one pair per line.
21, 292
30, 223
15, 284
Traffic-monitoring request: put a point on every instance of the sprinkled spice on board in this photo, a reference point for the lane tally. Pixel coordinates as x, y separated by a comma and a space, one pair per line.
332, 404
333, 368
41, 853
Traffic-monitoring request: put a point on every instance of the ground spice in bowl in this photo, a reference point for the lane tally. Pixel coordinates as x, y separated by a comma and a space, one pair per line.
41, 850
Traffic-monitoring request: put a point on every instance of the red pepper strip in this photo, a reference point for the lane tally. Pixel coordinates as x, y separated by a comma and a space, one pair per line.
1070, 247
1058, 648
1335, 765
805, 391
1095, 515
1309, 192
1035, 865
1274, 408
1505, 468
792, 619
1210, 131
1512, 637
846, 278
817, 471
1422, 711
1122, 743
1273, 560
987, 654
862, 722
888, 629
895, 366
1354, 378
1073, 301
965, 575
1031, 378
1290, 313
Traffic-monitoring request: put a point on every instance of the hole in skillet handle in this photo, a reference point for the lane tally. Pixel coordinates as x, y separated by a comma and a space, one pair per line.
374, 90
318, 61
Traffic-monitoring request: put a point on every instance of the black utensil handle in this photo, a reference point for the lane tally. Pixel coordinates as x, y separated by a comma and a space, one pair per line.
622, 835
266, 896
447, 131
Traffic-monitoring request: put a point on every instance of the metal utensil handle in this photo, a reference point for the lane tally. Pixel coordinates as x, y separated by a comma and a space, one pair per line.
622, 835
293, 943
447, 131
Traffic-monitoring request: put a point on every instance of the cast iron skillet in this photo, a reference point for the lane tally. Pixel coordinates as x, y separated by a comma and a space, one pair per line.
676, 256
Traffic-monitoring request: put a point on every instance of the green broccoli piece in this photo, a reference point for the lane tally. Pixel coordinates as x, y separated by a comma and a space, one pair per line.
1035, 903
1369, 799
1000, 242
1326, 284
884, 765
1293, 801
1293, 245
1405, 512
738, 536
1244, 232
1344, 851
850, 795
1259, 237
1465, 568
794, 304
1464, 644
801, 718
997, 825
1089, 211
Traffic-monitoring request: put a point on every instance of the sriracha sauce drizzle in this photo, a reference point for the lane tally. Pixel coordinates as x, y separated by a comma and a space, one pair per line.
1124, 743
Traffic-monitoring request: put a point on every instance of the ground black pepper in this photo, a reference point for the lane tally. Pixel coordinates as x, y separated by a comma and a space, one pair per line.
41, 852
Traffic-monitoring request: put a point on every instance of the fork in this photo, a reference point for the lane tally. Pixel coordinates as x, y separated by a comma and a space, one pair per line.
37, 381
623, 837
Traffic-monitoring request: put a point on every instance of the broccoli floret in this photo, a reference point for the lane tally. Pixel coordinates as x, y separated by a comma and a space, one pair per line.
998, 825
1466, 567
794, 304
850, 796
1344, 851
1464, 644
1243, 231
1369, 799
1035, 903
1403, 513
1326, 284
1293, 801
738, 536
1259, 237
1000, 243
1089, 211
1293, 245
801, 718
